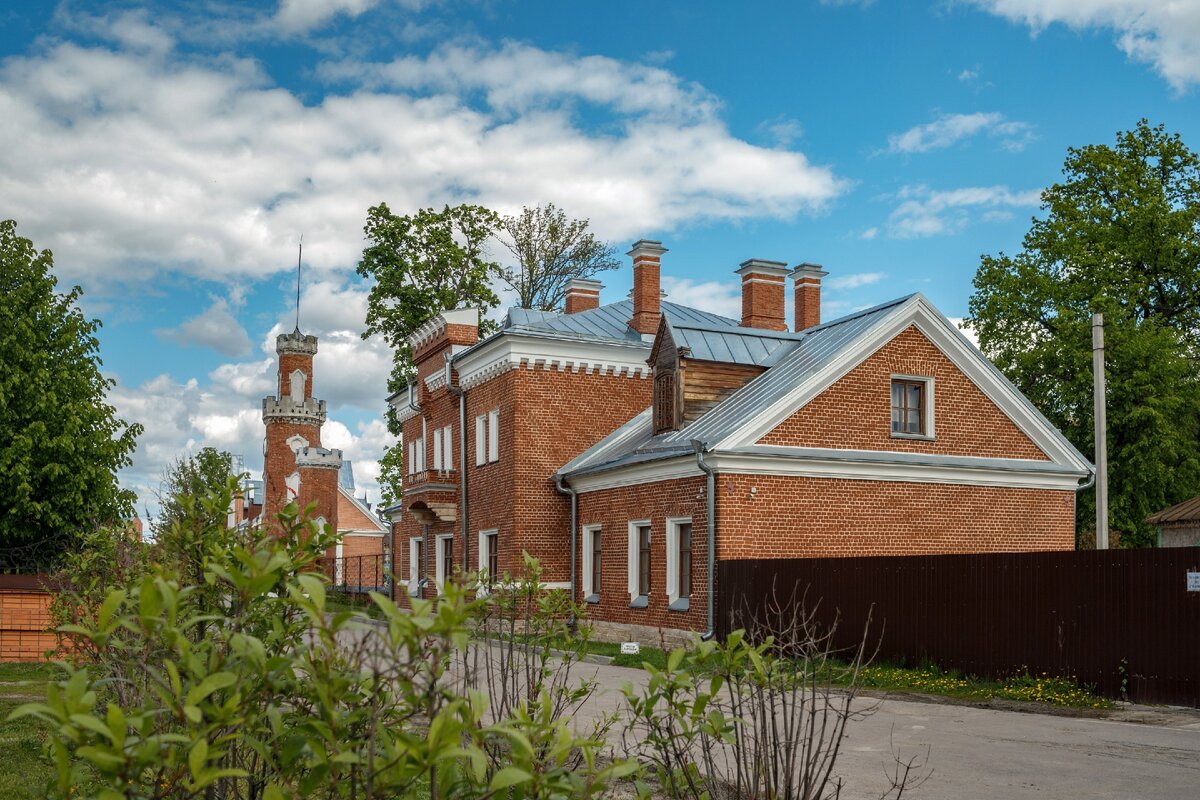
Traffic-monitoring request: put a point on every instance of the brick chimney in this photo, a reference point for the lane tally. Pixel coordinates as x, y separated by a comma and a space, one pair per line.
582, 295
808, 295
647, 295
764, 285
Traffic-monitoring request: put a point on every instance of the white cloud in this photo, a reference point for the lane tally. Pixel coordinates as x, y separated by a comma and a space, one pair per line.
297, 16
949, 129
968, 75
781, 130
215, 327
927, 212
869, 233
1162, 33
854, 280
717, 297
131, 163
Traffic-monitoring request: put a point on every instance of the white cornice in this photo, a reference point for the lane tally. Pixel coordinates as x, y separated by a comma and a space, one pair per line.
844, 465
885, 466
511, 351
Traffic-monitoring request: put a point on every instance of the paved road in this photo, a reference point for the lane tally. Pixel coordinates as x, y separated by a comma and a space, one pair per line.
986, 754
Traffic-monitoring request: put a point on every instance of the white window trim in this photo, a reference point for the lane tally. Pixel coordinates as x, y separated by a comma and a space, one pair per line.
485, 550
440, 562
930, 434
414, 568
480, 440
437, 450
448, 447
673, 525
634, 524
493, 433
591, 594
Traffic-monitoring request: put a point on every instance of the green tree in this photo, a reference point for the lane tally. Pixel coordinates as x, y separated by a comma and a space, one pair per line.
551, 250
187, 478
61, 444
1120, 235
424, 264
391, 475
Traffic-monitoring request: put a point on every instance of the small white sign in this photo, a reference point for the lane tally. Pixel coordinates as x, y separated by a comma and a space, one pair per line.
633, 648
1193, 581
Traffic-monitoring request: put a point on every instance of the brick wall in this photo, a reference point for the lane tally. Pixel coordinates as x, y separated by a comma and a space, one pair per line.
280, 462
613, 509
798, 517
24, 620
559, 415
855, 412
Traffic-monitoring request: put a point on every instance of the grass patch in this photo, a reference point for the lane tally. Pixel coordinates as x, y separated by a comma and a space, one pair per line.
27, 771
649, 655
931, 679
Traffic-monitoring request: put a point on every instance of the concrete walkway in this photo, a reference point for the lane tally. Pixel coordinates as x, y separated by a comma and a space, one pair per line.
984, 753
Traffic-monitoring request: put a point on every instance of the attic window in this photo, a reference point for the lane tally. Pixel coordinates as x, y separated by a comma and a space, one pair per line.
664, 401
912, 407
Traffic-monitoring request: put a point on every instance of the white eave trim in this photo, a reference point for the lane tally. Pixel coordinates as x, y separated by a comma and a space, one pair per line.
864, 465
512, 350
916, 312
664, 470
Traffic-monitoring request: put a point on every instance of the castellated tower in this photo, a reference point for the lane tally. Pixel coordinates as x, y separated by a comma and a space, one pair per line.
295, 466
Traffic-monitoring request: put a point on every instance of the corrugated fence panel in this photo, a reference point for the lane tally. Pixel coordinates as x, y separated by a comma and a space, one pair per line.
1121, 620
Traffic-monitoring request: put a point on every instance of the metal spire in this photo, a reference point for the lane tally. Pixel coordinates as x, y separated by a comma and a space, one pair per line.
299, 256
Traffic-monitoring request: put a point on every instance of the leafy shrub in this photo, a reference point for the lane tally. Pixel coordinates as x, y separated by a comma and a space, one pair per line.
222, 674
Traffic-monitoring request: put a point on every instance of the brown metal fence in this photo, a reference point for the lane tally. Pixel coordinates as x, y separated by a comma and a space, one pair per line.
1121, 620
359, 574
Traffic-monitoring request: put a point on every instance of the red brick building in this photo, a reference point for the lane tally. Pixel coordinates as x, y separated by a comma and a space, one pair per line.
623, 444
296, 468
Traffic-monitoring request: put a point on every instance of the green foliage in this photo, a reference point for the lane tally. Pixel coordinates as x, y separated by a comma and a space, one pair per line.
551, 250
244, 684
189, 478
61, 444
424, 264
391, 475
100, 560
1120, 235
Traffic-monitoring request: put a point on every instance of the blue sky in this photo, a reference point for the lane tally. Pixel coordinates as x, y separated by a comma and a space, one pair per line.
171, 157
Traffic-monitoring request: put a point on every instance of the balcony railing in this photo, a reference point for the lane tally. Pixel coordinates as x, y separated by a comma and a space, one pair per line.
432, 479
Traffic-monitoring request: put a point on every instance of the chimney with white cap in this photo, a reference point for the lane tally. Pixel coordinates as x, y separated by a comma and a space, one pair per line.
764, 286
808, 295
647, 294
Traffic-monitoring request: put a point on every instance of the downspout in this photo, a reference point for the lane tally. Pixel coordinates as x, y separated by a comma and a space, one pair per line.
461, 394
1087, 485
710, 494
564, 488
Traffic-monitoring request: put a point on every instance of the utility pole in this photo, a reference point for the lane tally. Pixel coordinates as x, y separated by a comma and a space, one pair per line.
1100, 401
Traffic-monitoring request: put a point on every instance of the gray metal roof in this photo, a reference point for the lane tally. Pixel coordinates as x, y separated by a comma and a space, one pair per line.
802, 355
733, 345
607, 322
